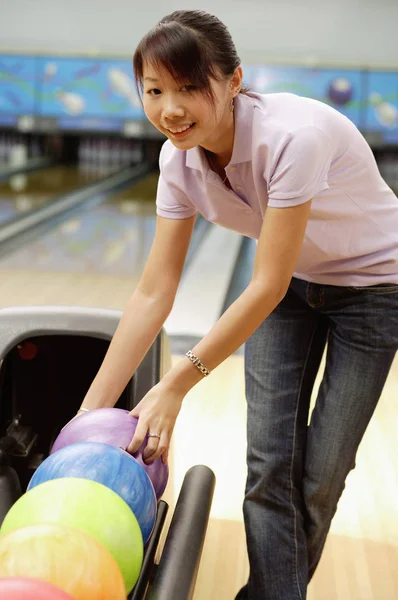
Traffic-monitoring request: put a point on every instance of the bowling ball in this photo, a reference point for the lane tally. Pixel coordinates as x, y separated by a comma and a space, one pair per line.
90, 507
113, 426
20, 588
340, 91
110, 466
64, 557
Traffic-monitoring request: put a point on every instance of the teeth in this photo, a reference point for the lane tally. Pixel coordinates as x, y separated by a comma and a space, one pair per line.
180, 129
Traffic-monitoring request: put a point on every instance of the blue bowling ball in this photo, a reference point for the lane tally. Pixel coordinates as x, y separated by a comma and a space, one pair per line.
111, 466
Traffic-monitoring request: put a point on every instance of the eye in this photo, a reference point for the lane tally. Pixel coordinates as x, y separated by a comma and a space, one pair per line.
154, 92
188, 88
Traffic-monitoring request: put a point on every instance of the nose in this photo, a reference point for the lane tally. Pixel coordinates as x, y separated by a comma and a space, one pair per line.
172, 109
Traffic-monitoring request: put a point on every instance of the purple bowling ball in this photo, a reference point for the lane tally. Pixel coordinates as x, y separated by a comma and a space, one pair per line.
116, 427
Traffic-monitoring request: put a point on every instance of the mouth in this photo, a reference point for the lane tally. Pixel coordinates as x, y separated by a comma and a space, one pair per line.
181, 131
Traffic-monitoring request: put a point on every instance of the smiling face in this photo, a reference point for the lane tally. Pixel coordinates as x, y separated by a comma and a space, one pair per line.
185, 114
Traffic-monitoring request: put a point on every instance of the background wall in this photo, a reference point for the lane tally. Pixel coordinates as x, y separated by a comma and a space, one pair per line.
343, 32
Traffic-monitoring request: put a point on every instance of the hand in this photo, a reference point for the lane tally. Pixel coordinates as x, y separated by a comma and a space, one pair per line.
157, 413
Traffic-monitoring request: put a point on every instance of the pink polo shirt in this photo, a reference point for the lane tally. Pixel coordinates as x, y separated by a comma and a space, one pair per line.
288, 150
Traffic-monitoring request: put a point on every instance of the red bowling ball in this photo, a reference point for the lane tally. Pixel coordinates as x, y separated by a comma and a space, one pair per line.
18, 588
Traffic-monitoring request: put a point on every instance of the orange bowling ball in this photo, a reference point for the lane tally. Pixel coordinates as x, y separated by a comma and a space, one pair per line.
68, 558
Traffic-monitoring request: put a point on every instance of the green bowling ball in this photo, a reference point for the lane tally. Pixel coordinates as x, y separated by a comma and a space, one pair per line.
90, 507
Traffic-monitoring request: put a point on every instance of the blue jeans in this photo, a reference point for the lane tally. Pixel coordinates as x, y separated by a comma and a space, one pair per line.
297, 472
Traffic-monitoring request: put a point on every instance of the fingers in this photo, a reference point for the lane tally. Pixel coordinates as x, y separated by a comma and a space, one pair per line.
157, 444
156, 447
135, 412
151, 447
139, 436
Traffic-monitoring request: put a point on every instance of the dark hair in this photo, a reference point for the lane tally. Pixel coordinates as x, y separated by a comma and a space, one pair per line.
193, 46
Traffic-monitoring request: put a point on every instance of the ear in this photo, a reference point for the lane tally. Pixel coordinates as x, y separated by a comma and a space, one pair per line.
236, 81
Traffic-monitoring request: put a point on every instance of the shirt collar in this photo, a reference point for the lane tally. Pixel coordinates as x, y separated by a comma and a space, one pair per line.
242, 150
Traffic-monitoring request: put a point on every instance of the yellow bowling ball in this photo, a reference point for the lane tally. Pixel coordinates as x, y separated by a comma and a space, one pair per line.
91, 507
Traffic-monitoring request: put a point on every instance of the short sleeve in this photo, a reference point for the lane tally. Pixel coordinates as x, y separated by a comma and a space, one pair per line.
171, 200
301, 170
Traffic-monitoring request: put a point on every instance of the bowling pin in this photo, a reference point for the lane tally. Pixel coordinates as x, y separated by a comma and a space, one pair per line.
72, 103
50, 70
123, 85
23, 203
18, 157
385, 112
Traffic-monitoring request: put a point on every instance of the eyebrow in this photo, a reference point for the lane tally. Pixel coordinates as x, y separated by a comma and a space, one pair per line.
150, 79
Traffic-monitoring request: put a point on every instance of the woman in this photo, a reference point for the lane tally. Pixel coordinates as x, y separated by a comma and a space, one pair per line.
297, 176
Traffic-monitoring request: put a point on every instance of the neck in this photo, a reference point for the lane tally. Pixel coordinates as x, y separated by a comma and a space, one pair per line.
220, 145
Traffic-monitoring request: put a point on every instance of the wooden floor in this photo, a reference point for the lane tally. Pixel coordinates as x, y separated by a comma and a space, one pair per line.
360, 561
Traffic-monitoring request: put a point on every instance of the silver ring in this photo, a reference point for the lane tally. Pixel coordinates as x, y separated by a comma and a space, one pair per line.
154, 435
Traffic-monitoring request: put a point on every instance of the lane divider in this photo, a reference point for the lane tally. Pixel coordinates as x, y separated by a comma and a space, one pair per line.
203, 289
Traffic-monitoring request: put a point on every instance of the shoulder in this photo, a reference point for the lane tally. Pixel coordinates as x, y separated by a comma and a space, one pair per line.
291, 109
284, 119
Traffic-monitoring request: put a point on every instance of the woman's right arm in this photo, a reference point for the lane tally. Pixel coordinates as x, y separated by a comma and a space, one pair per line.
145, 313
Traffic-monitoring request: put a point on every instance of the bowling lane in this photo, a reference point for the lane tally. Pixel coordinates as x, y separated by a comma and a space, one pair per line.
96, 258
113, 239
24, 193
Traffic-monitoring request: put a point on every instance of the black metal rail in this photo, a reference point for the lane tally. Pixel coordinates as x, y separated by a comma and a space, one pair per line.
178, 567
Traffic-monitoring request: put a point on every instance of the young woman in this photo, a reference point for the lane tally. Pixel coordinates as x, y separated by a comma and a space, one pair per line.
298, 177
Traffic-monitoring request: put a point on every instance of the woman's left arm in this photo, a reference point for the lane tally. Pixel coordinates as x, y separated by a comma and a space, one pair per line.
278, 250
